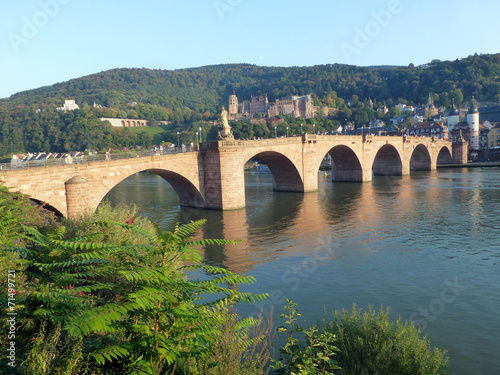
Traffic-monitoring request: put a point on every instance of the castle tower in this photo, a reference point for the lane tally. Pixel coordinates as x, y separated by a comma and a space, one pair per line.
453, 117
233, 106
473, 121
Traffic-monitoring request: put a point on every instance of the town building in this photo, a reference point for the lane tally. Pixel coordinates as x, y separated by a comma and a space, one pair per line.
405, 108
429, 129
491, 114
494, 137
384, 109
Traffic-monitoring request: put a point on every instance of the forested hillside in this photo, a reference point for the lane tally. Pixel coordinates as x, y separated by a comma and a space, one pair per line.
190, 95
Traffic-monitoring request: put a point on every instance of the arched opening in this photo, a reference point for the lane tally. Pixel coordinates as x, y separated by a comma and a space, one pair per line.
123, 123
188, 194
444, 156
420, 159
133, 123
47, 207
285, 175
153, 197
138, 184
345, 165
387, 162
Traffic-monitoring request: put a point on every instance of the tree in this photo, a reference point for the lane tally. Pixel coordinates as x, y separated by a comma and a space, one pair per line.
118, 301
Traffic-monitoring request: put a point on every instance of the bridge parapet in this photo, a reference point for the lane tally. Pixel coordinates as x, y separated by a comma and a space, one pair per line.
86, 159
213, 145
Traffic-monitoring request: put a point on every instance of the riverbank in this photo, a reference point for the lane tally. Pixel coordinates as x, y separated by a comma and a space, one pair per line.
471, 165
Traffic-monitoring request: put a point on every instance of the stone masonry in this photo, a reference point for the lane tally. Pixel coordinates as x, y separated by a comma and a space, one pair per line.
214, 177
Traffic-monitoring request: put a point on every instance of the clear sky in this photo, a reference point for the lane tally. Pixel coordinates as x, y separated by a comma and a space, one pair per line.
43, 42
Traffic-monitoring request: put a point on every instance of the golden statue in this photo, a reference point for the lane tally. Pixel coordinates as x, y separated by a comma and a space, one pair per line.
223, 117
224, 128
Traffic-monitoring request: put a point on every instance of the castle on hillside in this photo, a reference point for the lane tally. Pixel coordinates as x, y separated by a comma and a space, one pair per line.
69, 105
297, 106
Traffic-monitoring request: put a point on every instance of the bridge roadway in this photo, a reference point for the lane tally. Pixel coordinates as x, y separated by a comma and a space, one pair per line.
214, 176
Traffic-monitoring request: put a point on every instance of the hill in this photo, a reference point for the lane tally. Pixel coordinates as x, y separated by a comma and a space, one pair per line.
187, 96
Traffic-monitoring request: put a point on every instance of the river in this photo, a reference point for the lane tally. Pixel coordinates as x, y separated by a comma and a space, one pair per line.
425, 245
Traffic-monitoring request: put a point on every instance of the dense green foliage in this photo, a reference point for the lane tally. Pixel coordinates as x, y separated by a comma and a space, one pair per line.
356, 343
191, 98
117, 299
369, 343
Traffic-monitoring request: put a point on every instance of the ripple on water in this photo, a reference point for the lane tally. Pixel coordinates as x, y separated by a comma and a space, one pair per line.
392, 242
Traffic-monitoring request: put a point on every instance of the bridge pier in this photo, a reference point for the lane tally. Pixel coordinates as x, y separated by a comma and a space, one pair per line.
76, 201
224, 182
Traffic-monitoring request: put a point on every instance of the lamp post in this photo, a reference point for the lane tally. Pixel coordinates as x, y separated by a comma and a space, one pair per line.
200, 134
301, 128
314, 128
178, 139
197, 137
275, 136
287, 131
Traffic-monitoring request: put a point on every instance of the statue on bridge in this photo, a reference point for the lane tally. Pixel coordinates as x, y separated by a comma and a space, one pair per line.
224, 128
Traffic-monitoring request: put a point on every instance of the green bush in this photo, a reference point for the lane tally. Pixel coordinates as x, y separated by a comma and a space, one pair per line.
370, 343
316, 357
116, 299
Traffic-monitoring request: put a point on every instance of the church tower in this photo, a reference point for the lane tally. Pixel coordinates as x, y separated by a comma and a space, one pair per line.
473, 121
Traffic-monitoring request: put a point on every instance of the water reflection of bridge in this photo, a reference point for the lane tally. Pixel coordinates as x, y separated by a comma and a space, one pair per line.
317, 227
214, 177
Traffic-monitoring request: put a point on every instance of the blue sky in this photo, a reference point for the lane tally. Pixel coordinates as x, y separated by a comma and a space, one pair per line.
43, 42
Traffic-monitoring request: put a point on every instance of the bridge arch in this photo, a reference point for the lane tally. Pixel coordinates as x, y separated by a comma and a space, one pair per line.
346, 166
444, 156
286, 176
387, 162
420, 159
188, 193
48, 207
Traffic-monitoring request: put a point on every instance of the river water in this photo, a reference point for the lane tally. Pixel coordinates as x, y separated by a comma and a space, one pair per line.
425, 245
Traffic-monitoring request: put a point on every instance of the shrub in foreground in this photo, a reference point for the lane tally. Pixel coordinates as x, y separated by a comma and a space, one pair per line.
369, 343
114, 300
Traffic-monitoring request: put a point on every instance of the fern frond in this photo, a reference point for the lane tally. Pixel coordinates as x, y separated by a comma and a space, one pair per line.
186, 230
109, 353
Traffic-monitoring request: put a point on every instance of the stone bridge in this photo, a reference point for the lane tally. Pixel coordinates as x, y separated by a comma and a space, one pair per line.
214, 176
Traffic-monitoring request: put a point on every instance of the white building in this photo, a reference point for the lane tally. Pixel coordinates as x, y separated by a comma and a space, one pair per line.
453, 117
473, 121
405, 108
125, 122
69, 105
